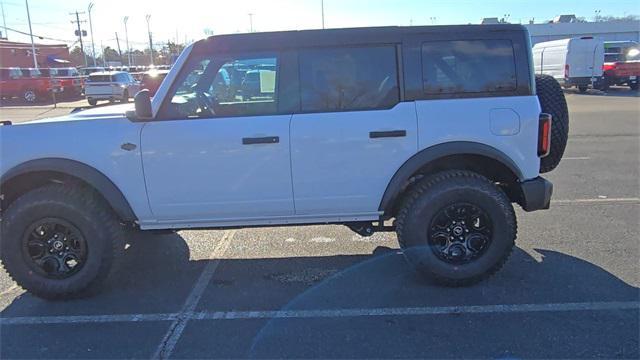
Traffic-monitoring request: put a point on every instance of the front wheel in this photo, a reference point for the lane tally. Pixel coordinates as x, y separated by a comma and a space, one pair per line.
125, 97
634, 86
92, 102
583, 88
60, 242
456, 227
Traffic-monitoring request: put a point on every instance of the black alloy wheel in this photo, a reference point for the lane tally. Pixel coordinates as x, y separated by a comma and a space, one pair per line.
460, 233
54, 248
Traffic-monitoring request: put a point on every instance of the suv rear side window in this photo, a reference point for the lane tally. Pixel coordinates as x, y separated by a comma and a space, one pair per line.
343, 79
468, 66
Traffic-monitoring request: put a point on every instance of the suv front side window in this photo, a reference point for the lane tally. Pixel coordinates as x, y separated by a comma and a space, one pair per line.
235, 86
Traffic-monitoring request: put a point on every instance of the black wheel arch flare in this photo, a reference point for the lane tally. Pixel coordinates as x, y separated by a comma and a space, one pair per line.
421, 159
93, 177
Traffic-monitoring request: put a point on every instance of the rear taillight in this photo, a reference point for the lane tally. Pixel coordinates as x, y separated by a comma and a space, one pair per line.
544, 135
566, 71
607, 67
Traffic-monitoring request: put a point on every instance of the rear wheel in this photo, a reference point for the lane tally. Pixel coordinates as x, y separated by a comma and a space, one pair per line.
456, 227
92, 102
59, 242
634, 86
552, 101
125, 97
604, 84
583, 88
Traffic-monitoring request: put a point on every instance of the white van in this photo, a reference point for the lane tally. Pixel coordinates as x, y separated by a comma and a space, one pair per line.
573, 62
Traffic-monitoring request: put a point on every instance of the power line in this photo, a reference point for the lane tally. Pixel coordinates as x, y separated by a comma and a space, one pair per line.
38, 36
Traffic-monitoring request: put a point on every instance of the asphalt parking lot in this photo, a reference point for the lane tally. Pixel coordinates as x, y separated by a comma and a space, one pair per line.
569, 290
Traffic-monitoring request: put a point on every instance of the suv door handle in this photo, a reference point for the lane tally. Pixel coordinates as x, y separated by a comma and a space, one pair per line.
391, 133
261, 140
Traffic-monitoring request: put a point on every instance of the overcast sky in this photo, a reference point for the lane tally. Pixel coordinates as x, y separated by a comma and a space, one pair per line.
193, 19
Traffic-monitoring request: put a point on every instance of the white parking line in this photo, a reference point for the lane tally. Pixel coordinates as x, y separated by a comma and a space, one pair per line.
174, 333
80, 319
413, 311
329, 313
597, 200
576, 158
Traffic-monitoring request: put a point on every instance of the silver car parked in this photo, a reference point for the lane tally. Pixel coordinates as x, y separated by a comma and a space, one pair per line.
111, 86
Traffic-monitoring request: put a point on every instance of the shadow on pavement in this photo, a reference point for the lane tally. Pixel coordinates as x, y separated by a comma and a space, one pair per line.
158, 275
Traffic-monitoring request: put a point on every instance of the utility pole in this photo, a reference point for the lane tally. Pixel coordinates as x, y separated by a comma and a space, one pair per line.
250, 22
33, 46
148, 17
4, 22
93, 45
126, 38
322, 9
119, 51
79, 33
104, 58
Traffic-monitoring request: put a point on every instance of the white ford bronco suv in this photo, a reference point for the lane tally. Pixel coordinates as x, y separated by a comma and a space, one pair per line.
431, 132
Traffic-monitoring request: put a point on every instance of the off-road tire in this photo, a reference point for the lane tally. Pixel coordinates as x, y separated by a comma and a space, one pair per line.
437, 191
84, 209
553, 102
92, 102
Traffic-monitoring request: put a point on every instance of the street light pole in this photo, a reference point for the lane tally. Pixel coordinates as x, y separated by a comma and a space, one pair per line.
33, 46
148, 17
93, 46
250, 22
4, 22
126, 39
322, 9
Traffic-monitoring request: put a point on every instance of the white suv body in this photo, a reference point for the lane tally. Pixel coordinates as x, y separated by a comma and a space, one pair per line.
110, 85
338, 132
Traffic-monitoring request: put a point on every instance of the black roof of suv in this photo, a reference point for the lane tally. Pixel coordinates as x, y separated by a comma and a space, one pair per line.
370, 35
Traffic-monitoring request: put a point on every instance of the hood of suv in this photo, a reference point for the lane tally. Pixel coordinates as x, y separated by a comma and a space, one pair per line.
96, 113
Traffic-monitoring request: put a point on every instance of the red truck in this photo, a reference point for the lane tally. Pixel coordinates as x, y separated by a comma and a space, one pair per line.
25, 83
621, 64
69, 81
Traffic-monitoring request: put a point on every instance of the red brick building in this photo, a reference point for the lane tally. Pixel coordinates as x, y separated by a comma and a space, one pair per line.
15, 54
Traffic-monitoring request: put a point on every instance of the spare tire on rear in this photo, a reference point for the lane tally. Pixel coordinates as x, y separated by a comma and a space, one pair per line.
552, 102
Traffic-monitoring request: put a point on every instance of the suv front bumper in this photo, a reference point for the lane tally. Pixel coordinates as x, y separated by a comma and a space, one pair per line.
535, 194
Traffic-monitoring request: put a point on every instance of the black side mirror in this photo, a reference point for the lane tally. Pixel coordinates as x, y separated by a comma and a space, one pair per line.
142, 102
